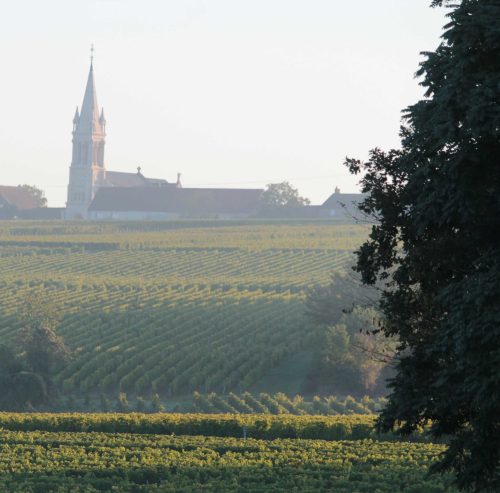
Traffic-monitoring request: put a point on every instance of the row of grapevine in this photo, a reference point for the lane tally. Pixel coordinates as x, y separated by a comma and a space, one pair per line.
92, 462
265, 267
250, 236
279, 403
261, 426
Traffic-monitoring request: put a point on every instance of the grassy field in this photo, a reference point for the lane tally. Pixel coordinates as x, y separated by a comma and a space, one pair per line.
175, 307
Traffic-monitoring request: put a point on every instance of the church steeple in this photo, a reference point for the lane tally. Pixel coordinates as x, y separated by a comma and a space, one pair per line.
87, 172
89, 116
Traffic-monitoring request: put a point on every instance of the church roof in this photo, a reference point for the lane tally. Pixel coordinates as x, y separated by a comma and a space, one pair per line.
122, 179
176, 200
89, 119
17, 197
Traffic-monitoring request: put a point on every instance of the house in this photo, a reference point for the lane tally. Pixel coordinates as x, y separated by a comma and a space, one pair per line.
13, 200
342, 206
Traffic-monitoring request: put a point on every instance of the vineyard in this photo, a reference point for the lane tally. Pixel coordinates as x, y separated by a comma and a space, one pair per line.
166, 453
202, 314
265, 427
172, 308
280, 403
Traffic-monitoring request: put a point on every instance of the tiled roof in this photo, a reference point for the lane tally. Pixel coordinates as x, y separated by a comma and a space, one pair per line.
176, 200
18, 197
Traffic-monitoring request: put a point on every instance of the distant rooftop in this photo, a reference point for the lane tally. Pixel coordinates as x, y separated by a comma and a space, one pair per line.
17, 197
122, 179
176, 200
338, 197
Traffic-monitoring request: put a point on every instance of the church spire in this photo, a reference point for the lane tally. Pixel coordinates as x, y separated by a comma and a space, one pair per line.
89, 121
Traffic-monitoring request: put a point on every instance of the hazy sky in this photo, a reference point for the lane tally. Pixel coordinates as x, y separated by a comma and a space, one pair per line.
228, 92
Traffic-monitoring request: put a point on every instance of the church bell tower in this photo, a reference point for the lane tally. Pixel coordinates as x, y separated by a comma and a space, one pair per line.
87, 172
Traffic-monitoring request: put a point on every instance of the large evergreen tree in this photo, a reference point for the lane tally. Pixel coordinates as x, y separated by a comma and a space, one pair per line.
436, 247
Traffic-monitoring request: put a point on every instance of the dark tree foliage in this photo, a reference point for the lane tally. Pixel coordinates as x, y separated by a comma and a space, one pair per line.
20, 389
436, 246
43, 349
353, 357
325, 305
26, 370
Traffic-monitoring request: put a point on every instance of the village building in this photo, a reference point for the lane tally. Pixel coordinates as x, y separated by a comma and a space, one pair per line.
87, 173
174, 203
342, 206
96, 193
14, 200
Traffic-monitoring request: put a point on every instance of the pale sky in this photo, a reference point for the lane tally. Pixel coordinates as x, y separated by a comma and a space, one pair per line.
228, 92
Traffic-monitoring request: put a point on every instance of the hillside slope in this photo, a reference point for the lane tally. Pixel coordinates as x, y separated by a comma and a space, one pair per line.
174, 307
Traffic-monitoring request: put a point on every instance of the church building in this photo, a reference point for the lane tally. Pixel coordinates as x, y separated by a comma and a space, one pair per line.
96, 193
87, 172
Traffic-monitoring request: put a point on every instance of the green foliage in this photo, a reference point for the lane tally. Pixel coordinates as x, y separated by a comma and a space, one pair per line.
279, 196
337, 360
268, 427
202, 404
42, 348
280, 403
272, 404
256, 405
26, 373
19, 389
238, 404
122, 403
436, 249
326, 303
156, 405
354, 357
91, 462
